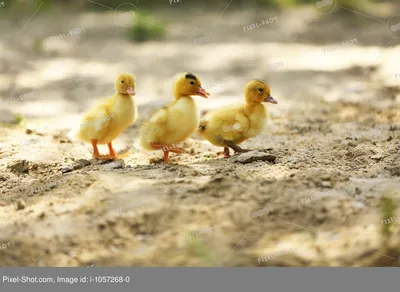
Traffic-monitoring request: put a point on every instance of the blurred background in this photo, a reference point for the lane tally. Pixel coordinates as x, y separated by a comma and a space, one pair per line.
332, 66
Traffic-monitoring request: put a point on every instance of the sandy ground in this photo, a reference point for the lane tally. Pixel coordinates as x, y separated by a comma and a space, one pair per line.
334, 133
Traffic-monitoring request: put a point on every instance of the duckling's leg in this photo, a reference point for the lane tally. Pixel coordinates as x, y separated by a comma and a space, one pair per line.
166, 153
176, 150
235, 147
112, 152
226, 152
96, 153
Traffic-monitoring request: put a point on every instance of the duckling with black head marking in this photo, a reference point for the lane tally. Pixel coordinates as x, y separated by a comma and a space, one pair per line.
174, 123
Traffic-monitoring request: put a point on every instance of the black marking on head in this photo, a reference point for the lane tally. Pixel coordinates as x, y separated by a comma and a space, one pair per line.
190, 76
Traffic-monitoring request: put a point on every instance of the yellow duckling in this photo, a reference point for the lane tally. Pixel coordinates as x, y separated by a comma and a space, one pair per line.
229, 126
174, 123
109, 118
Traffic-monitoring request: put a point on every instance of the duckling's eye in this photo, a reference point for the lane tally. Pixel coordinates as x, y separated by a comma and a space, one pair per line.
122, 81
192, 82
260, 90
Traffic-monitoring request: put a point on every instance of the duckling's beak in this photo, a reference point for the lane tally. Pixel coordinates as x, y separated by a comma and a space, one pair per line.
202, 92
271, 100
130, 90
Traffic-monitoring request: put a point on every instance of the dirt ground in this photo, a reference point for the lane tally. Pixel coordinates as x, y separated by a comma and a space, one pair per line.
334, 133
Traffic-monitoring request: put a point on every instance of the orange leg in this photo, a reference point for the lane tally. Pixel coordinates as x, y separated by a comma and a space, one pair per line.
112, 152
166, 149
166, 153
226, 152
96, 153
176, 150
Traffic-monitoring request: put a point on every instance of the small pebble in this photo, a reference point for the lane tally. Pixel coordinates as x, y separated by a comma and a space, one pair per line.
114, 165
251, 156
66, 169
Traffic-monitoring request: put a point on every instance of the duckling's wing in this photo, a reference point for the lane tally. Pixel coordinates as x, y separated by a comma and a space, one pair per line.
234, 126
154, 128
96, 122
229, 123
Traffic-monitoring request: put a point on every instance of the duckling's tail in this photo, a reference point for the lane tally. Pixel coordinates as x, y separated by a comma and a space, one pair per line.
202, 126
146, 136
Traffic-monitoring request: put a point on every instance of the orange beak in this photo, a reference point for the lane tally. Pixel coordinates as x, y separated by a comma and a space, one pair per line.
202, 92
130, 90
271, 100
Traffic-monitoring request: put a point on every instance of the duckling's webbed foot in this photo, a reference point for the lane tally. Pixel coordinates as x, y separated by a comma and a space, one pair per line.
164, 148
166, 153
176, 150
235, 147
